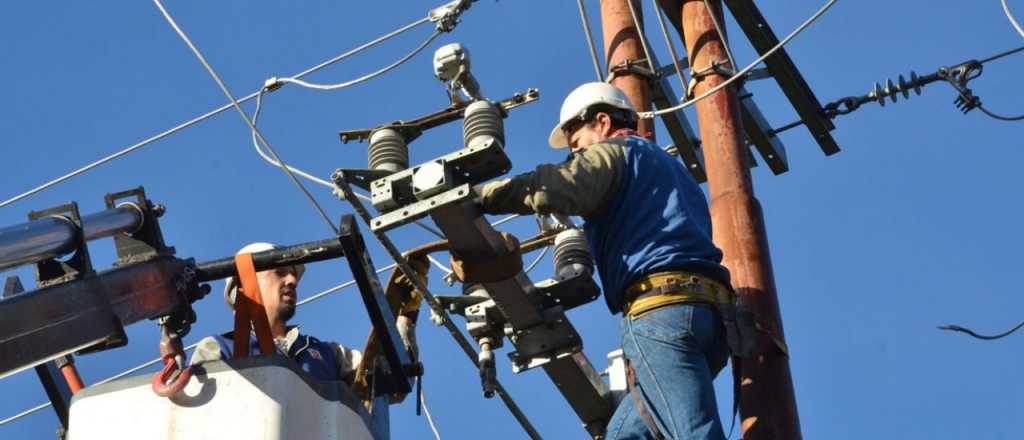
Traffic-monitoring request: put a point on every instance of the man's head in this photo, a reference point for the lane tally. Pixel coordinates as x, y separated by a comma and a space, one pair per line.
278, 287
590, 114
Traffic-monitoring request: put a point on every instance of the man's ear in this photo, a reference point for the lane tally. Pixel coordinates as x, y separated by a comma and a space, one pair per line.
605, 123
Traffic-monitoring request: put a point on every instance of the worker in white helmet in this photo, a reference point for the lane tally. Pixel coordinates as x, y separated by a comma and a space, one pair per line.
279, 292
648, 226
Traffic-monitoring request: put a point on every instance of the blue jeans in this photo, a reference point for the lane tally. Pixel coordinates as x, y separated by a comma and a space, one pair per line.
676, 351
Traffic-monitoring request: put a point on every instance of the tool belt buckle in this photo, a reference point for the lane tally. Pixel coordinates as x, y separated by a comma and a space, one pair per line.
693, 285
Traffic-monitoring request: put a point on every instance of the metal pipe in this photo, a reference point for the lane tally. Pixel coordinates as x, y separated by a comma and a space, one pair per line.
126, 218
622, 43
54, 236
766, 401
285, 256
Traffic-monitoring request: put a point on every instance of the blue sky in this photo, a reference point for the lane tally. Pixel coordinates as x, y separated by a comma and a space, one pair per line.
914, 224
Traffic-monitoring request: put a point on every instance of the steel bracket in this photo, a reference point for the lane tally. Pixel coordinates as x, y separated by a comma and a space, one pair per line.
148, 241
568, 293
79, 265
535, 346
421, 209
760, 134
454, 112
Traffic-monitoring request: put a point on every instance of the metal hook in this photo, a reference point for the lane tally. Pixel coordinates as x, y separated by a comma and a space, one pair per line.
172, 371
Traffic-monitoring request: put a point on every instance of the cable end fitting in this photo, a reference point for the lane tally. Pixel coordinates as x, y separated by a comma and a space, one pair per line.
272, 84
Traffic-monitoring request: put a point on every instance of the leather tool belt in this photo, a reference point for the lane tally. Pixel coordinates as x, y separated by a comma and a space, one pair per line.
672, 287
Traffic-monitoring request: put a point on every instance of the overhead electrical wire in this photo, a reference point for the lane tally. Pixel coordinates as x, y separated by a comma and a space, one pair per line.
136, 146
1000, 117
366, 77
430, 419
957, 328
244, 115
746, 70
671, 47
590, 40
640, 33
1013, 20
307, 176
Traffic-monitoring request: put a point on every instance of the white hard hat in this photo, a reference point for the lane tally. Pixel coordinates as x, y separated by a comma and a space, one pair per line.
231, 285
581, 99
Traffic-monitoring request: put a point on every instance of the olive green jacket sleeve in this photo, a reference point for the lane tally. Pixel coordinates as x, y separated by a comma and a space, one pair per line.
582, 186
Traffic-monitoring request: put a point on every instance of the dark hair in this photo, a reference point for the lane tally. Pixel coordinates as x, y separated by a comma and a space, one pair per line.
620, 118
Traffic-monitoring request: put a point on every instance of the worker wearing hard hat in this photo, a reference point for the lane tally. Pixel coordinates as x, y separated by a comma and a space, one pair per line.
648, 226
279, 292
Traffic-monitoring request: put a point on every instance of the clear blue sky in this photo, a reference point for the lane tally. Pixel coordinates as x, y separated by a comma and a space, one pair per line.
915, 223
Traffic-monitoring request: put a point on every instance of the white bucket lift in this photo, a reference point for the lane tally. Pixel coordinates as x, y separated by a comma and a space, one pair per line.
263, 397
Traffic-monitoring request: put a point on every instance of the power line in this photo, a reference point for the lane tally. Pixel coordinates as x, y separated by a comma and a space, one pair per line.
590, 40
671, 47
363, 78
1001, 55
430, 419
134, 147
1000, 117
307, 176
641, 34
957, 328
1013, 21
743, 73
234, 102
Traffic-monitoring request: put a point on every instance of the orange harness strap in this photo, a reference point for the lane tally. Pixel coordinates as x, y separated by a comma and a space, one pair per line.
249, 311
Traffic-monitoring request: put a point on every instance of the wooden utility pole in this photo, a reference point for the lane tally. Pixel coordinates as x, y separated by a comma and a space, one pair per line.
767, 402
621, 44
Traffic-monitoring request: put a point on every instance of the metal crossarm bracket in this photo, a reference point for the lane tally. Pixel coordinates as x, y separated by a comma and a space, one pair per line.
377, 308
567, 293
388, 192
785, 73
540, 344
415, 127
760, 134
683, 137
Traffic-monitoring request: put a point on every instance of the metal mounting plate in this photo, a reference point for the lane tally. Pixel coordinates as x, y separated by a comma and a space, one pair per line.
759, 133
540, 344
568, 293
415, 211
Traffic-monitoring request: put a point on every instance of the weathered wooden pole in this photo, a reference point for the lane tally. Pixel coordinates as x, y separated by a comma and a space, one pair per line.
622, 43
767, 402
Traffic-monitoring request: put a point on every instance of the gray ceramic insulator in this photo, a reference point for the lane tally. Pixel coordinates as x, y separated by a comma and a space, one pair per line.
482, 119
388, 151
572, 254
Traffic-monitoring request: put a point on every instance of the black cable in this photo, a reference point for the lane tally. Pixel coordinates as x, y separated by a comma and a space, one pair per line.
1000, 117
998, 56
957, 328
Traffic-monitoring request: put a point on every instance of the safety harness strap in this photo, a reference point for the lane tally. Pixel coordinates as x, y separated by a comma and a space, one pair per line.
250, 314
638, 401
